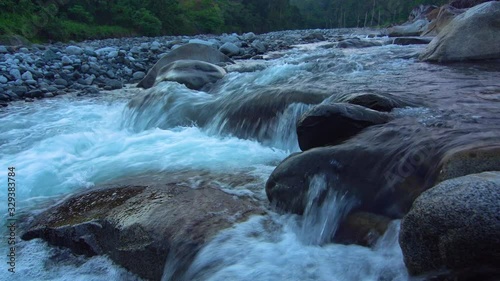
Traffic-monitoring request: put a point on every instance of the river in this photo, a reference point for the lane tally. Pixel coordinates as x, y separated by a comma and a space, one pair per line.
69, 143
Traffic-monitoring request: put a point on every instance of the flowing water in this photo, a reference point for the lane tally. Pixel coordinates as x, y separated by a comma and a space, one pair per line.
244, 124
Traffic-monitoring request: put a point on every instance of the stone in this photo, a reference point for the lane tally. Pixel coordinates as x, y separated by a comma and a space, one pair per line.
15, 73
3, 50
375, 101
138, 75
192, 73
135, 50
3, 79
259, 46
249, 36
203, 42
230, 49
19, 90
155, 46
66, 60
444, 16
453, 229
61, 82
409, 29
114, 84
48, 95
362, 228
358, 43
478, 26
412, 40
27, 76
384, 168
186, 52
74, 50
112, 54
330, 124
470, 160
140, 222
49, 55
105, 51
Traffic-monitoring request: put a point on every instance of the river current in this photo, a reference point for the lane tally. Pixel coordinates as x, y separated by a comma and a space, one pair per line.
65, 144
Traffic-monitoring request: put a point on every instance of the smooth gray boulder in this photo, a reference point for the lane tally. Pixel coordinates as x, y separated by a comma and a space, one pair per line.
473, 35
191, 51
453, 229
193, 73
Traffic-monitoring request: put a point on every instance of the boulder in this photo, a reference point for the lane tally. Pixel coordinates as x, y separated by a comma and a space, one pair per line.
14, 40
229, 49
473, 35
193, 73
409, 29
412, 40
384, 169
464, 4
375, 101
192, 51
470, 160
444, 16
362, 228
357, 43
453, 229
145, 223
330, 124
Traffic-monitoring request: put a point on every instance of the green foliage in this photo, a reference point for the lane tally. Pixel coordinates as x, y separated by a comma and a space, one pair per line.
78, 13
83, 19
146, 22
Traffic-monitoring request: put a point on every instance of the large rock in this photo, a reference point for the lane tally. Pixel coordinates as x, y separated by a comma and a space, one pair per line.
330, 124
454, 229
463, 4
191, 51
444, 16
193, 73
358, 43
139, 223
471, 160
376, 101
409, 29
472, 35
384, 169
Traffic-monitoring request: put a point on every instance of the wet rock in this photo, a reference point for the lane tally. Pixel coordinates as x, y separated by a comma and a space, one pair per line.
246, 66
139, 223
357, 43
384, 169
478, 27
453, 229
409, 29
259, 46
375, 101
412, 40
192, 73
314, 36
192, 51
330, 124
362, 228
229, 49
461, 162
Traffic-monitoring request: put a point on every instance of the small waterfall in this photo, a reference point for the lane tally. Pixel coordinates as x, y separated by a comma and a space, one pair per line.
322, 216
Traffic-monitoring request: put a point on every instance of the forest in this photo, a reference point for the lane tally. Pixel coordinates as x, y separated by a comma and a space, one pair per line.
63, 20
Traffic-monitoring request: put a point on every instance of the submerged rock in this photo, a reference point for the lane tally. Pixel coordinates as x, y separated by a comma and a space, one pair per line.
458, 163
375, 101
191, 51
473, 35
140, 223
192, 73
453, 229
330, 124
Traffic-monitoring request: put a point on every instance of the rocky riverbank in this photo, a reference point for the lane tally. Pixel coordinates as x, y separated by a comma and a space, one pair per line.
29, 72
